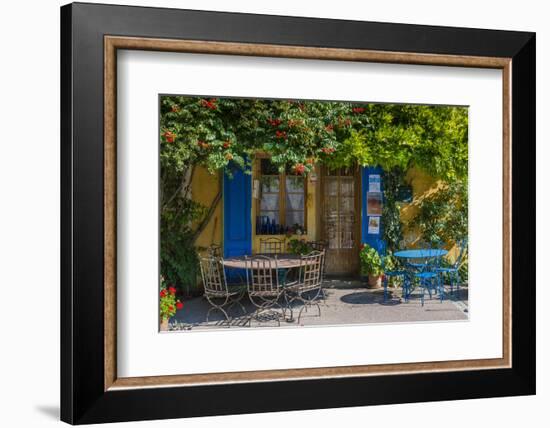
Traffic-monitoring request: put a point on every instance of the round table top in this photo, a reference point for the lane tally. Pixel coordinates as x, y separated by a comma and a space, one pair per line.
284, 261
420, 253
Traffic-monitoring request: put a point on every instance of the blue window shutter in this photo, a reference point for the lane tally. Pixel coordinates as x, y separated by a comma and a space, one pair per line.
374, 240
237, 222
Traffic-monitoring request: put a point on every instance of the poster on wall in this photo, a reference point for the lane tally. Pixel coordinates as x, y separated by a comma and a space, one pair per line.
374, 203
374, 183
374, 225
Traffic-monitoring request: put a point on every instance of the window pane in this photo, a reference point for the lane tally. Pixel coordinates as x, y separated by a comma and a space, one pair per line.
346, 186
294, 217
294, 201
331, 186
270, 183
271, 215
347, 204
294, 184
270, 201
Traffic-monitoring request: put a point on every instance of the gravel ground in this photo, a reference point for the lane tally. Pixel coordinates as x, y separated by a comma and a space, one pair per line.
345, 302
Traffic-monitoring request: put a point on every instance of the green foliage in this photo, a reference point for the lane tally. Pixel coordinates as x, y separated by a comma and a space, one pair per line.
215, 132
179, 261
443, 216
432, 138
299, 246
391, 217
371, 262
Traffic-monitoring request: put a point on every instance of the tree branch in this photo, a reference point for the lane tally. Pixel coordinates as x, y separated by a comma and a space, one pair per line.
210, 211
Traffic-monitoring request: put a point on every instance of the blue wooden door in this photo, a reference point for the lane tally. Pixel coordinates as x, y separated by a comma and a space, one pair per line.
372, 236
237, 220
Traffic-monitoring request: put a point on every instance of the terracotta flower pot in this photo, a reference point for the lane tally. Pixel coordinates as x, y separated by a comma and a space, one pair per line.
374, 281
164, 324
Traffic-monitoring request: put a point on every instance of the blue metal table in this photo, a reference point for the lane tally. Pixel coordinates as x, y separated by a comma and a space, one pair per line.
417, 254
420, 253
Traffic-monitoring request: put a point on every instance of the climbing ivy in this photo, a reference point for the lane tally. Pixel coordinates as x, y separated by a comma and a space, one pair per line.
214, 132
394, 179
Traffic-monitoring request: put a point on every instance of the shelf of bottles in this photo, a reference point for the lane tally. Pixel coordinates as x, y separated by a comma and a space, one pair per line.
268, 226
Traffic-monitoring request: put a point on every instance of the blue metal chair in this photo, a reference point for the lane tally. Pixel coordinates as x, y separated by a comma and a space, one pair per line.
429, 280
453, 270
396, 274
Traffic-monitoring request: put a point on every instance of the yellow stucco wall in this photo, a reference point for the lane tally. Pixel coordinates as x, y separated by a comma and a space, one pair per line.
423, 185
204, 188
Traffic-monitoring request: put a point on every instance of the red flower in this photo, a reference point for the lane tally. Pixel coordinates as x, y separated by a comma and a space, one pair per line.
171, 308
210, 104
226, 145
163, 293
169, 136
203, 144
280, 135
299, 168
327, 150
172, 290
358, 109
179, 305
274, 122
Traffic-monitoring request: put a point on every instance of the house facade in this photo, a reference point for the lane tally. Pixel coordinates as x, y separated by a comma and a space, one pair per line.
342, 207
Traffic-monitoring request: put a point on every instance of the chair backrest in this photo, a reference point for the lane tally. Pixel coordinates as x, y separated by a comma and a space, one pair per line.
311, 270
272, 246
318, 245
261, 275
463, 250
213, 275
214, 250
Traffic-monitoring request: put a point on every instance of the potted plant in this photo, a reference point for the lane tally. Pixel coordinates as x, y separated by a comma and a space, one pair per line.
169, 304
299, 246
371, 266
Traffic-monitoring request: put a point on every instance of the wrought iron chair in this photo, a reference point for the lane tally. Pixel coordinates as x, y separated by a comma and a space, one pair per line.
272, 245
214, 250
308, 287
216, 291
263, 287
400, 273
429, 279
320, 246
453, 270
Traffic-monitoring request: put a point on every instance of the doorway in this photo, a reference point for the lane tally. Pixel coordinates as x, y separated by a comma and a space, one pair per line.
340, 219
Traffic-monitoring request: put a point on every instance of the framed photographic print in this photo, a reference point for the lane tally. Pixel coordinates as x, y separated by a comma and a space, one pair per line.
266, 213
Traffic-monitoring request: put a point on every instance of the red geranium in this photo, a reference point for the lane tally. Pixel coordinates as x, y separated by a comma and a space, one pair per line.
210, 104
299, 168
163, 293
172, 290
170, 308
169, 136
179, 305
226, 144
280, 135
358, 109
274, 122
